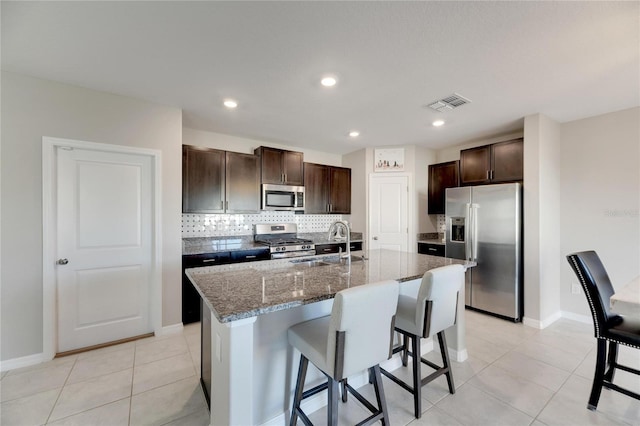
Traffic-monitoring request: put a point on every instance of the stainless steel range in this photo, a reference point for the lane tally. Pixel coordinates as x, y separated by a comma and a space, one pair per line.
283, 240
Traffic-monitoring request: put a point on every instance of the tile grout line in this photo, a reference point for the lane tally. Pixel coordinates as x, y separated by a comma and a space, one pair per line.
53, 407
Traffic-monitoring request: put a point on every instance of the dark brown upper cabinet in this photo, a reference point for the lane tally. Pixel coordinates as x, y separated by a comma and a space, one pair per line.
327, 189
242, 187
280, 166
441, 177
215, 181
495, 163
203, 179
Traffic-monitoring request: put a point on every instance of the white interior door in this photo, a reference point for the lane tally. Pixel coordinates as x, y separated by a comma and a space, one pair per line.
388, 212
104, 246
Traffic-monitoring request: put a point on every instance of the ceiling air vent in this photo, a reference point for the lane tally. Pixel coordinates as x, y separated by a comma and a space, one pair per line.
449, 103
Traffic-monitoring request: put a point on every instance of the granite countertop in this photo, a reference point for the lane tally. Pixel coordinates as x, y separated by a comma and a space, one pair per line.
201, 245
244, 290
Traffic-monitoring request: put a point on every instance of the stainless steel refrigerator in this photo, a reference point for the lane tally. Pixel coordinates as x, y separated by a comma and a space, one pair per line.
484, 224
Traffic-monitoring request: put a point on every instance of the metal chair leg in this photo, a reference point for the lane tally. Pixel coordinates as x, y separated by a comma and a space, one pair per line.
417, 376
344, 390
380, 397
302, 373
442, 340
332, 404
405, 350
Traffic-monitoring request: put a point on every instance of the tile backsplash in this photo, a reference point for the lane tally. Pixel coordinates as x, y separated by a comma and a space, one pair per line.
214, 225
441, 223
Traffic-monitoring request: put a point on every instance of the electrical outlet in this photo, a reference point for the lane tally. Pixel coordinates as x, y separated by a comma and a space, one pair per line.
575, 288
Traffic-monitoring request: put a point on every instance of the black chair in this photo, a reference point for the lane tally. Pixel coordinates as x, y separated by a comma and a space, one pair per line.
609, 327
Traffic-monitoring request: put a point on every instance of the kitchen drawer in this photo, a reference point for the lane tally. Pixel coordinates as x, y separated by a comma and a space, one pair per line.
432, 249
250, 255
328, 248
335, 247
205, 259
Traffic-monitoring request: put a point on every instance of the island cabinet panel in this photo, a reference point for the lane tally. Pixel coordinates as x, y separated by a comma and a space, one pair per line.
215, 181
279, 166
327, 189
242, 183
497, 163
441, 176
203, 180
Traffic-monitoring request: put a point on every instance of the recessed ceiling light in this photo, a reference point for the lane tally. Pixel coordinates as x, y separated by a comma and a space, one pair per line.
438, 123
230, 103
354, 133
328, 81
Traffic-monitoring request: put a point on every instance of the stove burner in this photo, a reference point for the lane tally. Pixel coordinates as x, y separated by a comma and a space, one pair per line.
283, 241
279, 241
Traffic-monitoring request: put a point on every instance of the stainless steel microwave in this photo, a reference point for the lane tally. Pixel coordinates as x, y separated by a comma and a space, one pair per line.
282, 197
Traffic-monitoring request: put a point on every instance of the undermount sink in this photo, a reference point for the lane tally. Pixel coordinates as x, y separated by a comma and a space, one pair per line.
333, 260
311, 262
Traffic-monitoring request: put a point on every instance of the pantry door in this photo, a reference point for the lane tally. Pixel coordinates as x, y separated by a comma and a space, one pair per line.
105, 253
389, 212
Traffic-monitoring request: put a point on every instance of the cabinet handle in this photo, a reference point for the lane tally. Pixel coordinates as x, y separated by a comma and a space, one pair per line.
209, 260
431, 249
250, 257
226, 205
488, 174
221, 205
327, 249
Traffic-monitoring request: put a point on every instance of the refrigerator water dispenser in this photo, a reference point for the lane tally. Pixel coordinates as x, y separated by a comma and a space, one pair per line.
457, 229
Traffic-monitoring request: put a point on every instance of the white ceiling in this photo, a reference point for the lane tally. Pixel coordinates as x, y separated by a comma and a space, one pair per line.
567, 60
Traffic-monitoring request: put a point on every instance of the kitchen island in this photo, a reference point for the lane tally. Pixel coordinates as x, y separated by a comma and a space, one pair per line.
247, 309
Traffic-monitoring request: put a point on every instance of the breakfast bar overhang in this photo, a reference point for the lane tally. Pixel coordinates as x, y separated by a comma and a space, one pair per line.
247, 309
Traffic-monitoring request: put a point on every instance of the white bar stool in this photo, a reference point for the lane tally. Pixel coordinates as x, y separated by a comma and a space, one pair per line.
353, 338
434, 310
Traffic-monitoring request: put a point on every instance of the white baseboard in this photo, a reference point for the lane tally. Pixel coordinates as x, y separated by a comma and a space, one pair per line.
577, 317
530, 322
25, 361
555, 317
172, 329
458, 356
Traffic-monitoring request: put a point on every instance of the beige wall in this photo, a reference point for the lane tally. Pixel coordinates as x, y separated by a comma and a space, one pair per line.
417, 160
33, 108
600, 198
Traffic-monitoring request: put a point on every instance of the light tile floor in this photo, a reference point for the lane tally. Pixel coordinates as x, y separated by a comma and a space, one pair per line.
515, 375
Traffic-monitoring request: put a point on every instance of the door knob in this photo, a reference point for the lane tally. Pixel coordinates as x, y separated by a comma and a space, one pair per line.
375, 238
62, 261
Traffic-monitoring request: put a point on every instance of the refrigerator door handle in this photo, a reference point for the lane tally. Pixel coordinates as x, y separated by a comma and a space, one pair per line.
474, 230
467, 233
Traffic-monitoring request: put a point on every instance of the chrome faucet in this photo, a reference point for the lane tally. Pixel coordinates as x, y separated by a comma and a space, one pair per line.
339, 231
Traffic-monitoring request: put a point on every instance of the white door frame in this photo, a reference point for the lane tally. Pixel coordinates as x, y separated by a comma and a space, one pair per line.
49, 237
410, 215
